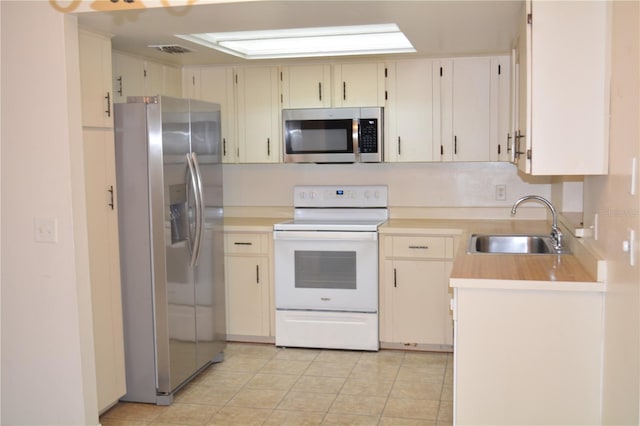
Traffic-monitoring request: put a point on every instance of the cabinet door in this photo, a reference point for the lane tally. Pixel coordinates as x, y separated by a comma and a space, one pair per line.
501, 105
306, 86
568, 88
258, 107
247, 295
104, 264
128, 77
172, 81
359, 85
191, 82
419, 292
154, 79
216, 85
410, 111
443, 109
471, 109
95, 80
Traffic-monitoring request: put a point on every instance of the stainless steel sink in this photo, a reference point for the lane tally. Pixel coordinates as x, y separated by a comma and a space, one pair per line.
513, 244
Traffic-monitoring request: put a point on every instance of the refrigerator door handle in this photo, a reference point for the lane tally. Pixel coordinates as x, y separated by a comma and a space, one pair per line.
196, 194
200, 207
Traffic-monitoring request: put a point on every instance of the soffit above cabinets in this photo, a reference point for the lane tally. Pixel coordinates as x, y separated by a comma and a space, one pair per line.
435, 28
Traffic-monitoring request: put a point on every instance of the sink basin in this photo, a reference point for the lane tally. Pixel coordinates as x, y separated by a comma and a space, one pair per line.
512, 244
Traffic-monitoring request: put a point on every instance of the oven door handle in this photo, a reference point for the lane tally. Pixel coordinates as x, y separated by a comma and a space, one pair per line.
324, 236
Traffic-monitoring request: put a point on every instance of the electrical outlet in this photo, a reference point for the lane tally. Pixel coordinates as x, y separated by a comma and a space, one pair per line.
46, 230
501, 192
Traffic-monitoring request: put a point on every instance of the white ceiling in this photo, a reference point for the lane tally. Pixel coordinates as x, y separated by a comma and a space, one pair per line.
436, 28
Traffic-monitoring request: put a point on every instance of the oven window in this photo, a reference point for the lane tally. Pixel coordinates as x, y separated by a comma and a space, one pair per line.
325, 269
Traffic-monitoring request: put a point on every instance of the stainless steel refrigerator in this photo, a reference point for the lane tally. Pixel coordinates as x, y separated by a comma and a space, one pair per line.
169, 177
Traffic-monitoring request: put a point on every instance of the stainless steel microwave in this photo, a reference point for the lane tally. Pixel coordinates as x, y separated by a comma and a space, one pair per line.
333, 135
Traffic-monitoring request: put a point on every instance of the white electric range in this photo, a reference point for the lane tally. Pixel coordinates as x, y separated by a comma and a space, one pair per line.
326, 268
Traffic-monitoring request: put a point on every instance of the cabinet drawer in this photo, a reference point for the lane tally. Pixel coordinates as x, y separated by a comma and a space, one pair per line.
244, 243
422, 247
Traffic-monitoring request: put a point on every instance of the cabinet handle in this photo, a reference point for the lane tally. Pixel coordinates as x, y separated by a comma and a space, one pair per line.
399, 145
120, 84
257, 274
344, 90
110, 191
268, 147
395, 277
224, 147
498, 149
108, 98
240, 243
455, 145
419, 247
509, 142
319, 90
441, 150
517, 153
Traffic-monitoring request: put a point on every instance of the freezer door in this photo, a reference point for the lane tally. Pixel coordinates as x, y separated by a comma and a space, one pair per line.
209, 269
174, 210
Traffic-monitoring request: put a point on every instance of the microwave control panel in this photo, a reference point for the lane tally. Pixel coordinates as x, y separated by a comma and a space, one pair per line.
368, 135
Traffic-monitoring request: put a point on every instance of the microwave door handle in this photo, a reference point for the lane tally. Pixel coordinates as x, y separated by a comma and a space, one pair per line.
356, 139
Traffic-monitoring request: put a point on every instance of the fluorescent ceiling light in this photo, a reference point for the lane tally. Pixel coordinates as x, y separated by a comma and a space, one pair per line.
307, 42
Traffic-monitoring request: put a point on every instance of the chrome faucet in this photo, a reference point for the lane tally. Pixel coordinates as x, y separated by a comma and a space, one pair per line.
556, 234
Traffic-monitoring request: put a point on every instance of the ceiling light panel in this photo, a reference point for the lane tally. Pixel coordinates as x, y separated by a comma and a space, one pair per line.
307, 42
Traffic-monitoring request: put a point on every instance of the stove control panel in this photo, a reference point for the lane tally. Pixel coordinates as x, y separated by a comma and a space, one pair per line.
325, 196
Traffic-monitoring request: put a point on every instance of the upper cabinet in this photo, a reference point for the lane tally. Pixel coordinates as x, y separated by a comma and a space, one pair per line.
95, 80
306, 86
474, 108
215, 84
136, 76
258, 114
563, 89
410, 111
358, 85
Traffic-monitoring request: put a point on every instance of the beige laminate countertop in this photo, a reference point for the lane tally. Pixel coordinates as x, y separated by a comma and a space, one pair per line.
538, 268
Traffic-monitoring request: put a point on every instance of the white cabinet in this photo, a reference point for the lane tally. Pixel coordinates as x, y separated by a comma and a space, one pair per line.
215, 84
104, 263
102, 216
136, 76
502, 113
306, 86
248, 286
527, 355
359, 85
410, 111
258, 114
128, 76
564, 88
473, 95
95, 80
414, 308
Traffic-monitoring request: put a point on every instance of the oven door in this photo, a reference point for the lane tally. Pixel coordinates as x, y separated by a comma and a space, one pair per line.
330, 271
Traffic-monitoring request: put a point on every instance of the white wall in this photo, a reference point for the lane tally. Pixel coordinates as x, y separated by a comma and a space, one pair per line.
48, 375
410, 185
618, 212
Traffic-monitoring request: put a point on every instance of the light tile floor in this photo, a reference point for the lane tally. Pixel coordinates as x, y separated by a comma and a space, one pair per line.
264, 385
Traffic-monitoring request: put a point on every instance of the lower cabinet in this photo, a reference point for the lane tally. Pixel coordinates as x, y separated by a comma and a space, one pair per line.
414, 292
528, 352
248, 286
104, 263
